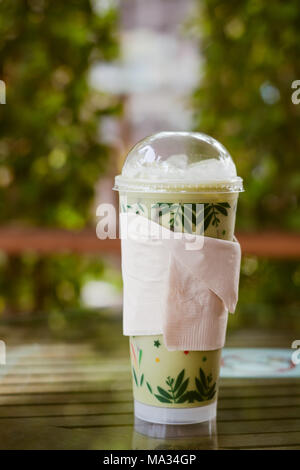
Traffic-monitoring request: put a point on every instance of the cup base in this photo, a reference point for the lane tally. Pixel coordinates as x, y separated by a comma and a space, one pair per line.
160, 415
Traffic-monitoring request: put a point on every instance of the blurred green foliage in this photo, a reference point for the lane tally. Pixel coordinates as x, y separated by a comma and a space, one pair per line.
51, 155
250, 54
50, 152
35, 283
268, 294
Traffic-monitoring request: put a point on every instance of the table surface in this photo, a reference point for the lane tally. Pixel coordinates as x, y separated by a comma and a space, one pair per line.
66, 394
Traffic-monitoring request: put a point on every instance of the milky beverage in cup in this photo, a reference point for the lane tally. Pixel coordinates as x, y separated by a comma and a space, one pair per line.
185, 182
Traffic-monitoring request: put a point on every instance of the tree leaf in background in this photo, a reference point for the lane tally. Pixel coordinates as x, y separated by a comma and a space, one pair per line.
266, 150
50, 131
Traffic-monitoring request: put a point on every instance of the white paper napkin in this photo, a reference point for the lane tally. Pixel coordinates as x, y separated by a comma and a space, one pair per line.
178, 285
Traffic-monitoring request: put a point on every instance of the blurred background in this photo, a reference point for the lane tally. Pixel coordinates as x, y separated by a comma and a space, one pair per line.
86, 79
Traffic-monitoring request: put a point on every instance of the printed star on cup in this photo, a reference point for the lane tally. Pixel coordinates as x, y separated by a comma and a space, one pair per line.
157, 343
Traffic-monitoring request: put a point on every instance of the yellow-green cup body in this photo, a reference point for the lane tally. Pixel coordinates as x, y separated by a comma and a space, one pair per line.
186, 381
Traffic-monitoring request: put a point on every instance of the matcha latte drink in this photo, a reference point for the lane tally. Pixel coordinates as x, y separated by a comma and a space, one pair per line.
185, 183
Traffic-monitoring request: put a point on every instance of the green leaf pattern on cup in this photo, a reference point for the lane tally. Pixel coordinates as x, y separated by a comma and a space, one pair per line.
212, 213
190, 216
149, 387
137, 354
177, 393
175, 390
204, 389
135, 377
137, 208
187, 217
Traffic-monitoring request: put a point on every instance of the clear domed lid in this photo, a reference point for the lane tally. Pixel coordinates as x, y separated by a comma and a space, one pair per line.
179, 161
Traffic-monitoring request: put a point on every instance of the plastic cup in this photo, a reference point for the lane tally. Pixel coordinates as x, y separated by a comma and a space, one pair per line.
162, 175
198, 436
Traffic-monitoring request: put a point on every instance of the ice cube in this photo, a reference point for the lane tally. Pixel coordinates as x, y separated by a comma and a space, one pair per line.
179, 160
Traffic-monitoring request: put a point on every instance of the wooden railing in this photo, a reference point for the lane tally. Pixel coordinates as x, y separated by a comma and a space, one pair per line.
16, 241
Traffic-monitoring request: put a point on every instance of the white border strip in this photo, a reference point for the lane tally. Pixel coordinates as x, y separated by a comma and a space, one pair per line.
160, 415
